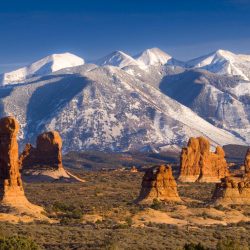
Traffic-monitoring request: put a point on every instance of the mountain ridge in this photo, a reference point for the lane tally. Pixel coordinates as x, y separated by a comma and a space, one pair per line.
132, 105
106, 109
223, 62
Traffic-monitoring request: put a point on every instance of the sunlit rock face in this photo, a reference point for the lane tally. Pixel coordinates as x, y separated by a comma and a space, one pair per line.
44, 162
234, 190
158, 183
247, 163
10, 179
12, 197
47, 153
197, 163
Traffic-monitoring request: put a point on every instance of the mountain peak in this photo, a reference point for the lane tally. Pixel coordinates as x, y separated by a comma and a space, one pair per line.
153, 56
223, 51
228, 55
57, 62
117, 58
223, 62
44, 66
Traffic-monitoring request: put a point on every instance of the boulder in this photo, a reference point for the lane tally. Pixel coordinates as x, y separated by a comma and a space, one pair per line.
197, 163
12, 197
158, 183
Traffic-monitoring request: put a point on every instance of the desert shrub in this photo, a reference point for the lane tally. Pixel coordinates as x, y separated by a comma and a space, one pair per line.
178, 216
129, 221
220, 207
210, 216
230, 244
63, 207
98, 221
194, 204
204, 215
112, 246
69, 211
156, 204
121, 226
66, 221
233, 206
18, 243
192, 246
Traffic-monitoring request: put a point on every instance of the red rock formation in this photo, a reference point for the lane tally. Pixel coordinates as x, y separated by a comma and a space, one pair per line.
247, 163
199, 164
44, 162
47, 154
232, 190
10, 180
158, 183
12, 196
190, 158
25, 157
133, 170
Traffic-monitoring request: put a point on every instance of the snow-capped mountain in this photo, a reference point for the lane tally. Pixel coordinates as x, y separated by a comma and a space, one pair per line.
222, 100
118, 59
123, 103
106, 109
153, 56
225, 63
42, 67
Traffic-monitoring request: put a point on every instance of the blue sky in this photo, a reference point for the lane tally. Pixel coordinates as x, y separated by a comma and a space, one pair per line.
32, 29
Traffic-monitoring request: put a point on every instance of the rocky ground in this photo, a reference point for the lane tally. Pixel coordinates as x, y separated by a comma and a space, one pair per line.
100, 214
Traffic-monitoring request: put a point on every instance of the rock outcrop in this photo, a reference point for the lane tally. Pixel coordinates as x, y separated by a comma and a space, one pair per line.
247, 163
12, 197
134, 169
197, 163
48, 152
44, 162
158, 183
232, 190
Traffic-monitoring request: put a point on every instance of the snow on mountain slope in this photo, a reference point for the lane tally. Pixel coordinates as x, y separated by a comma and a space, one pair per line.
82, 69
131, 103
42, 67
154, 74
118, 59
222, 100
105, 109
153, 56
157, 57
225, 63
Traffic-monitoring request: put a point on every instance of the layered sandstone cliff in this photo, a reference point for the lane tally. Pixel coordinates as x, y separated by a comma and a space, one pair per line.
158, 183
12, 197
197, 163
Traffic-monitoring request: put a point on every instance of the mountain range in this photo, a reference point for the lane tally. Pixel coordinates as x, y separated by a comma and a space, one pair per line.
150, 101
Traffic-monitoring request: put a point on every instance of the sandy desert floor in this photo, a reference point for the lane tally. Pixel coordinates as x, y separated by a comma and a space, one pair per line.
100, 214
